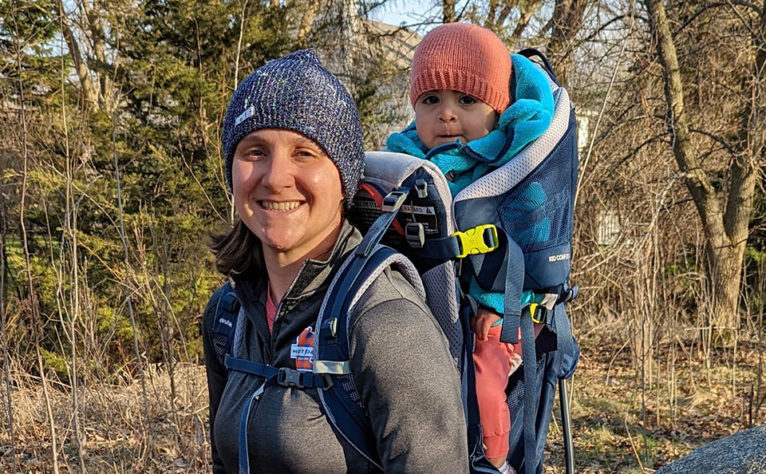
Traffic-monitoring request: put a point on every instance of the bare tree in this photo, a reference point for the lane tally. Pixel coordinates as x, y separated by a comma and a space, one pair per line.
33, 308
725, 212
3, 333
565, 24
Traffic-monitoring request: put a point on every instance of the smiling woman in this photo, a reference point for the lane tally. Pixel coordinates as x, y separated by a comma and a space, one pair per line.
292, 141
288, 192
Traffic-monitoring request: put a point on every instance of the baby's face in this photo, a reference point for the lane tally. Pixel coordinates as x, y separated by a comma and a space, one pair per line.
444, 116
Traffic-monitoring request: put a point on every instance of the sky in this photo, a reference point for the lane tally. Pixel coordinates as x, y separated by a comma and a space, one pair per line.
412, 13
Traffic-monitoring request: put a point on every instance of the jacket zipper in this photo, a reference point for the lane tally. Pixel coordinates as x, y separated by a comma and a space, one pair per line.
279, 316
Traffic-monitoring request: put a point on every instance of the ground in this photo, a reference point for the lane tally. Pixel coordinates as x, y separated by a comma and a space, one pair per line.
607, 416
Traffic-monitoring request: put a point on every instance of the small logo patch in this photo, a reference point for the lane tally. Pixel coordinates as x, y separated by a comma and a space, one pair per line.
303, 350
558, 258
249, 112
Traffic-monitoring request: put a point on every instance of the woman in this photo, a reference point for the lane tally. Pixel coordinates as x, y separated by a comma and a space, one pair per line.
293, 146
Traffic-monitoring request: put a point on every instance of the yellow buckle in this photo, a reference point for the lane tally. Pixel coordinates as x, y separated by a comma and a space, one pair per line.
480, 239
536, 311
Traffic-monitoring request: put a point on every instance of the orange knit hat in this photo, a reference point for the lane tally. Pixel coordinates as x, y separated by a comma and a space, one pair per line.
465, 58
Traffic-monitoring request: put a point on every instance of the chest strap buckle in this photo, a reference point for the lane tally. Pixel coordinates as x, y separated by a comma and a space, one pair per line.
287, 377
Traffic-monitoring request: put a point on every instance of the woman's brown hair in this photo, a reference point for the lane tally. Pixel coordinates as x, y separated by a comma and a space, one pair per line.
237, 251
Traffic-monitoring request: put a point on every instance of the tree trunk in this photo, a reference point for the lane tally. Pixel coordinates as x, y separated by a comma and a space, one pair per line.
565, 24
724, 269
448, 11
726, 233
89, 89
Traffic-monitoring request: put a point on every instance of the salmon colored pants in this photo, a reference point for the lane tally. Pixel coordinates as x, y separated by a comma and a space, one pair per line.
495, 361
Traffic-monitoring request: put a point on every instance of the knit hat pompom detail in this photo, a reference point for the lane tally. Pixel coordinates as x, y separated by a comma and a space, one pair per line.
465, 58
295, 92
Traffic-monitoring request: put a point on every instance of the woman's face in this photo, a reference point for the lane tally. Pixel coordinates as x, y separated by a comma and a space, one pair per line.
288, 192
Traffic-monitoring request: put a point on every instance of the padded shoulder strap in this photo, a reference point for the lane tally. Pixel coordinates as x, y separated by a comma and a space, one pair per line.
226, 313
341, 401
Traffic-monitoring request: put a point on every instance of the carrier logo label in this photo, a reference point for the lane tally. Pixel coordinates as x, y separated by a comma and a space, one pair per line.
425, 210
408, 208
303, 350
558, 258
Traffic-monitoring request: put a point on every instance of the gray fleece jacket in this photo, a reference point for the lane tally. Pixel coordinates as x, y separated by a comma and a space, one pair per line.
400, 364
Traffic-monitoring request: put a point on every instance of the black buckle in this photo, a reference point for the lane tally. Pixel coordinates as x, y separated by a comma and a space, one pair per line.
571, 293
289, 378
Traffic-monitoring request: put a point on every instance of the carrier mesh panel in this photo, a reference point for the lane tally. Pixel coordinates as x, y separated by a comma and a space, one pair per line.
537, 213
513, 172
530, 197
515, 399
347, 384
516, 396
441, 297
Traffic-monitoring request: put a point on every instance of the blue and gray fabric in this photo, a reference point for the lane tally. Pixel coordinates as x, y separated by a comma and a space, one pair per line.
295, 92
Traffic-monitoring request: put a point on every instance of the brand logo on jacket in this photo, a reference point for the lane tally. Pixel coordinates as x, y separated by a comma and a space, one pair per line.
303, 350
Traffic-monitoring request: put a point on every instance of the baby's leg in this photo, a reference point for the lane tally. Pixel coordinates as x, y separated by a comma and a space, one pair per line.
492, 362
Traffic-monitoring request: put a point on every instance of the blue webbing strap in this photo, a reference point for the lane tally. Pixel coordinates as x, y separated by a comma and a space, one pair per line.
440, 249
274, 376
344, 413
531, 392
471, 403
514, 283
564, 341
512, 320
284, 376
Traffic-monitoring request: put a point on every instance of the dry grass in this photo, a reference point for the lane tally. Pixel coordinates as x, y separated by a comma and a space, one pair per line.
606, 413
116, 435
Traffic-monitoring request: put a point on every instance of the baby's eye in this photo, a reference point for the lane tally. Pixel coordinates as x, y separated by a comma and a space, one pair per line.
467, 100
430, 100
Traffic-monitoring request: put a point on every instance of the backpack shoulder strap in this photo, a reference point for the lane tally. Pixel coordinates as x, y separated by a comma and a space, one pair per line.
341, 400
225, 320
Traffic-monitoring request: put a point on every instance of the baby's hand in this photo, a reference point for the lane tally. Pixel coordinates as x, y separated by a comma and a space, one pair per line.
481, 323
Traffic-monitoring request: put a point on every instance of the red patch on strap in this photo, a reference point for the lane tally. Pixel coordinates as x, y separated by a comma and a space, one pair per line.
303, 350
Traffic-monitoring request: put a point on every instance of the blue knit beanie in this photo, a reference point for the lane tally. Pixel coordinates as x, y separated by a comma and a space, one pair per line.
295, 92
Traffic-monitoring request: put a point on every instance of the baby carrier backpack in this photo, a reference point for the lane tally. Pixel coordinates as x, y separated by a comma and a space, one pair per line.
509, 231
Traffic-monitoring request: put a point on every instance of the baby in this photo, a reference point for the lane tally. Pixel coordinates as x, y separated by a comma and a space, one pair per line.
463, 85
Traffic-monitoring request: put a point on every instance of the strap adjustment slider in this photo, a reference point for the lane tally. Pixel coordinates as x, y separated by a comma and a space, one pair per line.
538, 313
415, 235
393, 200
